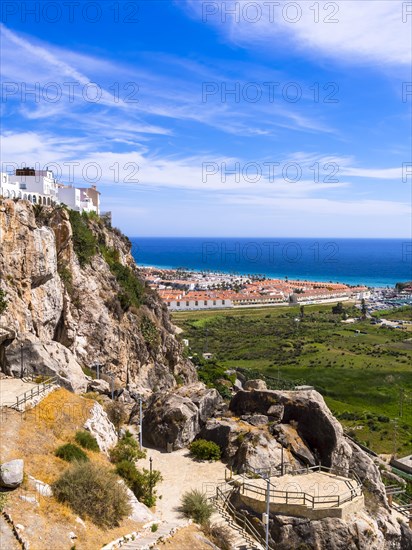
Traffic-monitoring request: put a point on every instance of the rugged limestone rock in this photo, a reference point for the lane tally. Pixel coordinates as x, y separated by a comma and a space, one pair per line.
176, 417
255, 385
11, 473
46, 358
312, 435
225, 433
359, 532
290, 439
255, 419
40, 487
54, 303
258, 450
140, 512
99, 425
99, 386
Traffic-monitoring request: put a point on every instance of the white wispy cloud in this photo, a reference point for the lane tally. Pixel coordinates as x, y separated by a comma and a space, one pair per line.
374, 32
173, 92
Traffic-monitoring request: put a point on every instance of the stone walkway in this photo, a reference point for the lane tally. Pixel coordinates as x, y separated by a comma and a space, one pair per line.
10, 388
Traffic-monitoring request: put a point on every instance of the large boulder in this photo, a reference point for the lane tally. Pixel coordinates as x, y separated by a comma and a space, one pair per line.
11, 473
259, 451
315, 424
99, 425
45, 358
176, 417
171, 420
224, 432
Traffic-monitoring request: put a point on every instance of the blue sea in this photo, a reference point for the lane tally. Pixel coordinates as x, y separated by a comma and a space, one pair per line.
371, 262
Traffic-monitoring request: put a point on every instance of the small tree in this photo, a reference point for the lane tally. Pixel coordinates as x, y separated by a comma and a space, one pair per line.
141, 482
126, 448
338, 309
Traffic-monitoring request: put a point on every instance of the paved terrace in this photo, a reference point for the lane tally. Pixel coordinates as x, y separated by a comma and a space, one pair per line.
313, 495
10, 388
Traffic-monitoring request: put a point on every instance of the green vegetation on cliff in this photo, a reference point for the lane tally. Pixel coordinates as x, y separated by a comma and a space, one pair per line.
84, 241
132, 288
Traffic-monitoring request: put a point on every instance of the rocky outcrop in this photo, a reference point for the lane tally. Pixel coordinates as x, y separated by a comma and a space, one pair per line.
176, 417
55, 304
99, 425
302, 424
46, 358
11, 473
359, 532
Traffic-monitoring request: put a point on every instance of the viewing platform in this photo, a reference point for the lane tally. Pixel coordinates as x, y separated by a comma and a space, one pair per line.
316, 494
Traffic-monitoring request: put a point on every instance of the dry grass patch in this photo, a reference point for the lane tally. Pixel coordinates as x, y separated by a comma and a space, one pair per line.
43, 429
34, 436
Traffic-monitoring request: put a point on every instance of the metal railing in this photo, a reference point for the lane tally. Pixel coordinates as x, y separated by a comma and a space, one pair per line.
403, 502
290, 470
223, 499
33, 392
305, 499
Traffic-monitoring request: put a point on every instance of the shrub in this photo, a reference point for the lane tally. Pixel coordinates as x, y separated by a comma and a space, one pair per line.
154, 527
195, 505
116, 413
70, 452
3, 301
86, 440
126, 448
219, 535
94, 492
142, 483
205, 450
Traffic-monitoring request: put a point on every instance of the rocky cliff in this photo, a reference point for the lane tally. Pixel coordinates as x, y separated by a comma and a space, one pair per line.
74, 298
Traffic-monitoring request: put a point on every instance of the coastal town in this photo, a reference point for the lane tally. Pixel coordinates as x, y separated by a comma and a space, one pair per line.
190, 290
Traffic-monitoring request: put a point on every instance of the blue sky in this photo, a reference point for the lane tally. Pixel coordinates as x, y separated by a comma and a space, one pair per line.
314, 139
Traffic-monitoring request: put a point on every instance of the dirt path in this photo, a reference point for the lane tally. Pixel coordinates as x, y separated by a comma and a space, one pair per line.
180, 474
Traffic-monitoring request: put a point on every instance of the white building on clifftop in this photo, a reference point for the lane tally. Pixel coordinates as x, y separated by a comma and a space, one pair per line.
40, 187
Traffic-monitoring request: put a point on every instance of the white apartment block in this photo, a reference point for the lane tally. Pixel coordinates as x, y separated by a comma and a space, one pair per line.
40, 187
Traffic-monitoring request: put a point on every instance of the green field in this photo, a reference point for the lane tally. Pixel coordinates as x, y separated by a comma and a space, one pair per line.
365, 377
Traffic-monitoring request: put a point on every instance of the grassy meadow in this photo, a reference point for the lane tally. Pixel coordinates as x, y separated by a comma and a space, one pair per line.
364, 371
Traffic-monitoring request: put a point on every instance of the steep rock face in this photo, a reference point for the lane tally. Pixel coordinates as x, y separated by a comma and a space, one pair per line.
52, 298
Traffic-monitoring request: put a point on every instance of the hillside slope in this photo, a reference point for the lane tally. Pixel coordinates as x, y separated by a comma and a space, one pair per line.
74, 297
